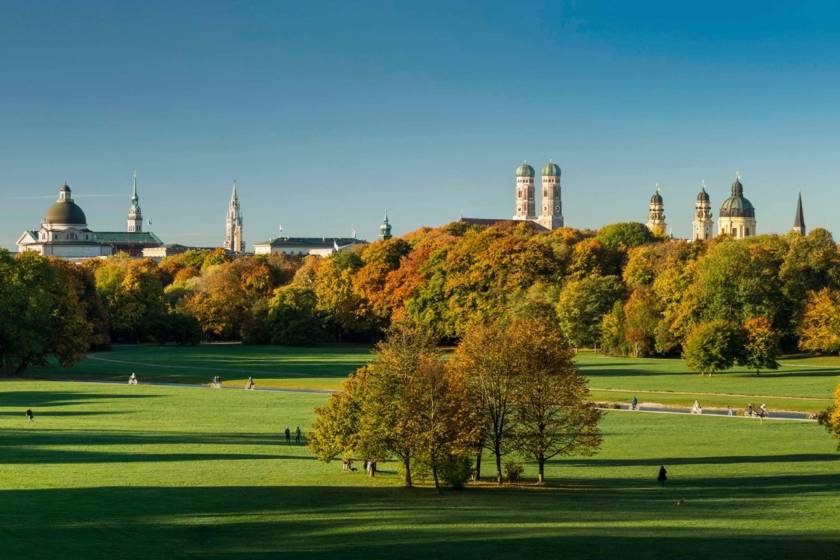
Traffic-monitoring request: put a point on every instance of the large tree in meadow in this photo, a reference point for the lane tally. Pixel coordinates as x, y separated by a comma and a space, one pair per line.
712, 347
485, 357
761, 344
553, 414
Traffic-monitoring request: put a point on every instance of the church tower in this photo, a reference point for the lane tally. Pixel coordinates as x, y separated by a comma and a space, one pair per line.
656, 214
385, 228
233, 225
551, 204
525, 206
703, 225
135, 215
799, 220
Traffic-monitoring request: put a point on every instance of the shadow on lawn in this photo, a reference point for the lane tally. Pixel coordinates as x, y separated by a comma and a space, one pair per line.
41, 399
714, 460
347, 522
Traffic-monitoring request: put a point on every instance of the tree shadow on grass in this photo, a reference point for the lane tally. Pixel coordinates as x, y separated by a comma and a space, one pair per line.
620, 518
42, 399
712, 460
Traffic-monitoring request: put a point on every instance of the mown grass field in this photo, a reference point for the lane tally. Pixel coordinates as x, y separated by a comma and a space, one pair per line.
801, 384
111, 471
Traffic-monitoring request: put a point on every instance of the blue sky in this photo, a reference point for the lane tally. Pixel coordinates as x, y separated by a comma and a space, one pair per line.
327, 113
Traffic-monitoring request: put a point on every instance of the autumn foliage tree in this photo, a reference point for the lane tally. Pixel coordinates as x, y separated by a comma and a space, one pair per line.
553, 413
761, 344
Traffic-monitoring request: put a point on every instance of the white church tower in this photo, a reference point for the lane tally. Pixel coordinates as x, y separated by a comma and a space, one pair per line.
233, 225
703, 224
135, 215
525, 203
656, 214
551, 205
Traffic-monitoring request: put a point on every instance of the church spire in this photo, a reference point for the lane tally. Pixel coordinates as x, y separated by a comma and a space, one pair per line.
799, 220
135, 215
233, 224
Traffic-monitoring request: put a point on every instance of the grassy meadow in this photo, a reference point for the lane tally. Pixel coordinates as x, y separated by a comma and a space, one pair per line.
801, 384
112, 471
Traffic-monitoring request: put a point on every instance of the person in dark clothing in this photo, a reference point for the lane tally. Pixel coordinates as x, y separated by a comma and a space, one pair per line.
288, 433
30, 417
663, 476
297, 435
634, 403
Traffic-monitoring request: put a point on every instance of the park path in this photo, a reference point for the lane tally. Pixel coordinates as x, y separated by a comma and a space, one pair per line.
643, 408
242, 372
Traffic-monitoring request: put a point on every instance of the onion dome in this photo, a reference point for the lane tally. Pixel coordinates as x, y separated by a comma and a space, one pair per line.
736, 206
656, 198
551, 169
703, 196
65, 211
525, 170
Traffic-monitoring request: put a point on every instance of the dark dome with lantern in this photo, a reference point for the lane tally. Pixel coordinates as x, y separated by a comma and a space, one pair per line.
65, 211
736, 206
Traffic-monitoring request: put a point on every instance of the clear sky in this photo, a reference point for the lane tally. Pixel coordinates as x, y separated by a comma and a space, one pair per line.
327, 113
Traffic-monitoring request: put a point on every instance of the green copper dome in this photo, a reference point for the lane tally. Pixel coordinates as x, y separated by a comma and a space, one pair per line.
551, 169
65, 211
525, 170
736, 206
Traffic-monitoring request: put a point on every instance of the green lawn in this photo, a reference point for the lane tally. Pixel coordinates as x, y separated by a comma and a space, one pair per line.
804, 384
111, 471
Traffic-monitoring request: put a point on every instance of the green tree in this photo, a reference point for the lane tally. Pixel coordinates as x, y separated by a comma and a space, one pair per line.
624, 236
761, 344
819, 329
554, 415
712, 347
582, 305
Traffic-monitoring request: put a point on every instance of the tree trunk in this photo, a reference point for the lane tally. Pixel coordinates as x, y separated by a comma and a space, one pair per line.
541, 475
371, 468
407, 467
478, 464
498, 453
435, 475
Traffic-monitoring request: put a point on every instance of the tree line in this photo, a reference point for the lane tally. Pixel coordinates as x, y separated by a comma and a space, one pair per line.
619, 289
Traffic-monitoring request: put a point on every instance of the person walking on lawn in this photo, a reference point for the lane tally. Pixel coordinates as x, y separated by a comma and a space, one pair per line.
663, 475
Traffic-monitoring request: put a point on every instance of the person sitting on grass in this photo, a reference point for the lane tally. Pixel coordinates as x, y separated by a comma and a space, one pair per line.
132, 379
30, 417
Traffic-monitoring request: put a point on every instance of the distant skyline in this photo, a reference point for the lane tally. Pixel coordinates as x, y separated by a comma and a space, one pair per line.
327, 113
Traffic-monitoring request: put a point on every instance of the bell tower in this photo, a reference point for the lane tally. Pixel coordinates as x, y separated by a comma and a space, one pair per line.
135, 215
525, 208
233, 224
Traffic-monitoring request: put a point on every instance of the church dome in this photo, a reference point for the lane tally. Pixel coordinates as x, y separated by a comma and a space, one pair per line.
525, 170
656, 198
551, 169
703, 196
736, 206
65, 211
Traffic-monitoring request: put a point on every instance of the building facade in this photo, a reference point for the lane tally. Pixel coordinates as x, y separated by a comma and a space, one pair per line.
64, 233
302, 246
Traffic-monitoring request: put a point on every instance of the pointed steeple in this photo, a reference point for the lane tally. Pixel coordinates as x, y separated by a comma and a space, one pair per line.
799, 220
135, 215
385, 228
